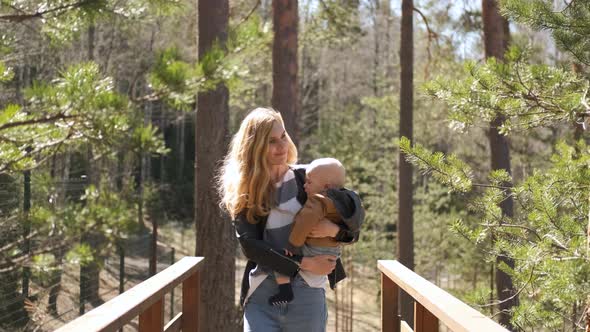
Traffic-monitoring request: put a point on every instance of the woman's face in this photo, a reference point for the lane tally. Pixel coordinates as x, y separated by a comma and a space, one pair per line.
277, 145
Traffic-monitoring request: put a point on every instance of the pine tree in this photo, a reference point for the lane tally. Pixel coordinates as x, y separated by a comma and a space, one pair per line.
547, 235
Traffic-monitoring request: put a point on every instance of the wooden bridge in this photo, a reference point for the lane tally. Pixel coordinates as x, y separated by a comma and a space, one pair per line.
432, 305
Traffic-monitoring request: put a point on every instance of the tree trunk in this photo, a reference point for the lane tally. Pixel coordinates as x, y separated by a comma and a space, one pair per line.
285, 90
55, 285
405, 243
496, 38
376, 43
215, 239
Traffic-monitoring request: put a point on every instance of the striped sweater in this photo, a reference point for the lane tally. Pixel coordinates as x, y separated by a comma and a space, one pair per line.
278, 228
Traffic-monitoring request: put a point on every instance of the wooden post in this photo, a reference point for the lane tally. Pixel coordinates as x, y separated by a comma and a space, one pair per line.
172, 291
190, 303
152, 320
424, 320
121, 269
389, 305
154, 248
83, 286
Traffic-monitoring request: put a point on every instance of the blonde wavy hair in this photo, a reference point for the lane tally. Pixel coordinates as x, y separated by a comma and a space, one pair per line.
244, 179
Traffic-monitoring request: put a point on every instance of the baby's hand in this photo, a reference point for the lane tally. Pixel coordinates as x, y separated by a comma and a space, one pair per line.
288, 253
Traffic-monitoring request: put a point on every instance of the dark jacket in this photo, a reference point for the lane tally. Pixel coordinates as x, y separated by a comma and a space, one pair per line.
257, 251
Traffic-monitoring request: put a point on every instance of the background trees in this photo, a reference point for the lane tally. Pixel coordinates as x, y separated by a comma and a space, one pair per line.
106, 108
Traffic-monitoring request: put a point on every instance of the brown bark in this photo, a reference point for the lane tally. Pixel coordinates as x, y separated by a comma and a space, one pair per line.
496, 39
405, 227
215, 240
285, 91
376, 48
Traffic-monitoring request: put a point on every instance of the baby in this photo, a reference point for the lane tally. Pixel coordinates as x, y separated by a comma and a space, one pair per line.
323, 177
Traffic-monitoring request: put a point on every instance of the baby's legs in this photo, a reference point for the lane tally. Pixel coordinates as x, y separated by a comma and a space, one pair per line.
285, 294
281, 279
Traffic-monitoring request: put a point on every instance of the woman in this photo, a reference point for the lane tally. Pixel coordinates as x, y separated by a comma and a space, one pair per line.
262, 193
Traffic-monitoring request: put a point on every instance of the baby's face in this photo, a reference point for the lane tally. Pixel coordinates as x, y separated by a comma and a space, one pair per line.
315, 182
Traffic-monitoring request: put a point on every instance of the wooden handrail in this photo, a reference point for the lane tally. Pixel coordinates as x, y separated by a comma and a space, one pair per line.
431, 303
146, 300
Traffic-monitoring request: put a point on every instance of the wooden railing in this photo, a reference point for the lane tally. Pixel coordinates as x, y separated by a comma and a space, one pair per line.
431, 304
147, 301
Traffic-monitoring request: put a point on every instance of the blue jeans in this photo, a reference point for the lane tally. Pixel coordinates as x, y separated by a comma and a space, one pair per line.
306, 313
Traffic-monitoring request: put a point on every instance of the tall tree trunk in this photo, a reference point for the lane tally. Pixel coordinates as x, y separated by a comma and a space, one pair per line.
215, 239
377, 28
387, 18
285, 90
496, 38
405, 228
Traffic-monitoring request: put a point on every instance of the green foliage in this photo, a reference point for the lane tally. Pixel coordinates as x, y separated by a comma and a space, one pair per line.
178, 82
80, 106
526, 95
6, 73
342, 135
104, 212
64, 20
81, 254
450, 170
170, 71
44, 268
101, 212
546, 237
72, 124
147, 139
569, 25
337, 23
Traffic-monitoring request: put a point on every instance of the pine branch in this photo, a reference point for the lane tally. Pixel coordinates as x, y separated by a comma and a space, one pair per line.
47, 119
256, 5
530, 230
515, 294
18, 18
18, 242
431, 36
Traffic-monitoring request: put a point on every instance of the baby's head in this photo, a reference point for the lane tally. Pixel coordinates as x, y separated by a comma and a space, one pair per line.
322, 174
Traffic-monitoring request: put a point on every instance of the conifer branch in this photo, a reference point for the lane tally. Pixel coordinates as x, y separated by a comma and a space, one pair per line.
18, 18
47, 119
256, 5
528, 282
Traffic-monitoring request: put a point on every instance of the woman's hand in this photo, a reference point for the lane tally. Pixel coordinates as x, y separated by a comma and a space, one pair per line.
320, 264
325, 228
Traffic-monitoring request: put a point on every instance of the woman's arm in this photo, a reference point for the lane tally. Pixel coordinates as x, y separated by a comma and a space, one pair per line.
259, 251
